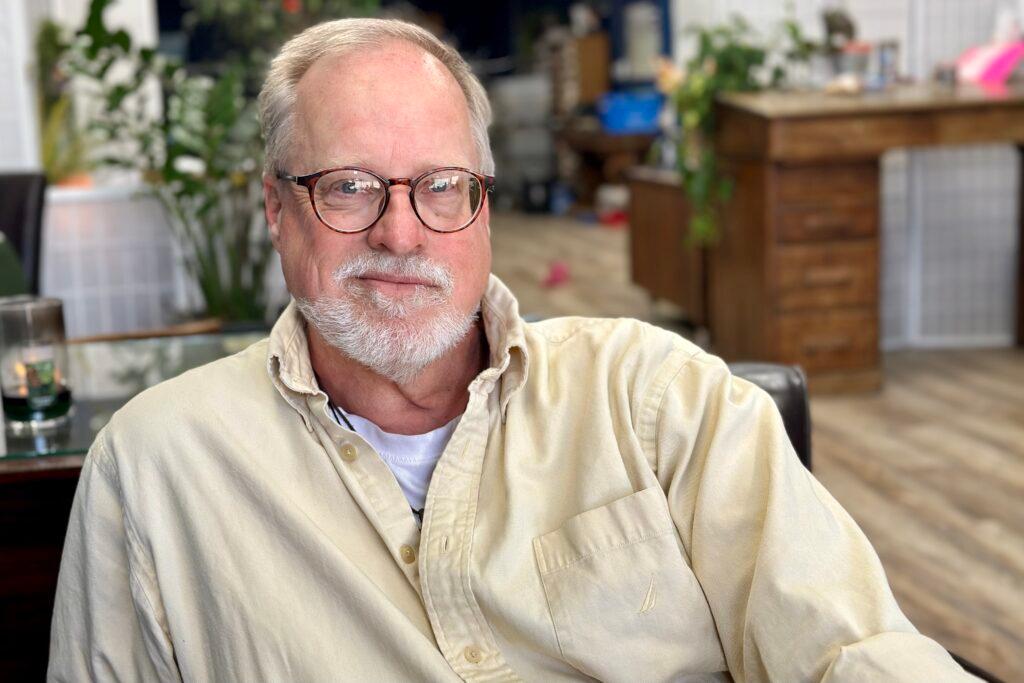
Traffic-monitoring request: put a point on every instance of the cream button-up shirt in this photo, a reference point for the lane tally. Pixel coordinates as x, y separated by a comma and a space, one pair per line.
612, 505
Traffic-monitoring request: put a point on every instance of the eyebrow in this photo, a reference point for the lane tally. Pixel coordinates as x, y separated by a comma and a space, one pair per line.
362, 163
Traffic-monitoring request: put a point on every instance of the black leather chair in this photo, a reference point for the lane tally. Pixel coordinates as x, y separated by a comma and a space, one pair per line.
787, 385
21, 220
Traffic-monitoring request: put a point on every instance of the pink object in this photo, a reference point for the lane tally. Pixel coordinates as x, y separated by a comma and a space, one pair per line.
616, 218
989, 65
558, 274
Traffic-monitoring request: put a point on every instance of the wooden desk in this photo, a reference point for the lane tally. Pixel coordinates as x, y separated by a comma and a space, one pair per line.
794, 278
662, 261
605, 157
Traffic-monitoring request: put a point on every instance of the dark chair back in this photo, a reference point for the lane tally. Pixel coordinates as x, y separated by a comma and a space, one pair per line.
21, 219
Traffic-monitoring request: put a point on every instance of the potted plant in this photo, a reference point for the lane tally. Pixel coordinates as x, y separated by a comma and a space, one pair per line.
201, 153
728, 58
64, 147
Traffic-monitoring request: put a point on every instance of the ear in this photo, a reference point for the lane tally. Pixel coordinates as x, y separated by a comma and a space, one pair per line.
272, 206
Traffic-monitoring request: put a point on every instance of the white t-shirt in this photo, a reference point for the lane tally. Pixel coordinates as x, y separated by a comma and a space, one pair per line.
411, 457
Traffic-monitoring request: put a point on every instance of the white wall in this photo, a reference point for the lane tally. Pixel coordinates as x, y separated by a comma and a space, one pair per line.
949, 216
109, 255
19, 147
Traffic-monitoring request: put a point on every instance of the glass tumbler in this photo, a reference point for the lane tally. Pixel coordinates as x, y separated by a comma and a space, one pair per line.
33, 365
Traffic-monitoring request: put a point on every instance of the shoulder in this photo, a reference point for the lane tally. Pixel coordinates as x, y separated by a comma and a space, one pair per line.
605, 333
623, 342
639, 357
209, 394
228, 378
652, 359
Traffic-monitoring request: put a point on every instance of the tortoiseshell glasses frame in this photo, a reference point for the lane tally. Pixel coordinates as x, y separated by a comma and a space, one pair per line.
310, 183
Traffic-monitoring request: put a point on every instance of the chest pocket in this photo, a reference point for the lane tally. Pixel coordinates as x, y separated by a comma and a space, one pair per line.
624, 603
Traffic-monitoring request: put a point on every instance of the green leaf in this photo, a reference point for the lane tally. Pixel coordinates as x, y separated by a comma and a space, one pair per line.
94, 26
121, 39
728, 57
116, 96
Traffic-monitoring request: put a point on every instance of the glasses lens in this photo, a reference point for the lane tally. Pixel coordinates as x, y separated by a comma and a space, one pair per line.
447, 200
348, 200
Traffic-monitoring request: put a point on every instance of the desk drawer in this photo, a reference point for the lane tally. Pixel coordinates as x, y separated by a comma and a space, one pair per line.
818, 223
826, 275
828, 340
828, 185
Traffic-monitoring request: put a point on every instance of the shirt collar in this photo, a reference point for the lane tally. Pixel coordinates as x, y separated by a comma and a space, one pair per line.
291, 372
506, 337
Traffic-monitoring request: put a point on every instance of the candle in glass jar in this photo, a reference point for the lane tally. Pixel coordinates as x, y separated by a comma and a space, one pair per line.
32, 358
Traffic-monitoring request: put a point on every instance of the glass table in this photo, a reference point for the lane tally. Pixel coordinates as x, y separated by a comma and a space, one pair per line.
103, 376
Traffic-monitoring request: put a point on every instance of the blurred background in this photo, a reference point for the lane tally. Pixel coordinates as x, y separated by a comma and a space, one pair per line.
829, 184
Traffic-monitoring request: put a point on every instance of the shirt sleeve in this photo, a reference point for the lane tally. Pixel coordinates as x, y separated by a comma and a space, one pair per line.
795, 588
107, 624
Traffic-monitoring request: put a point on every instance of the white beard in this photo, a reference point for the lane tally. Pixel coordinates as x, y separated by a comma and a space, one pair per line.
381, 332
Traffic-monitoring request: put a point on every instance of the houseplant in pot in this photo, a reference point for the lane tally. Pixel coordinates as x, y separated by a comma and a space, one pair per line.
199, 151
64, 146
729, 57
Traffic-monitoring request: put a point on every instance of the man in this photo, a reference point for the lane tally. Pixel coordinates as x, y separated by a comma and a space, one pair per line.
407, 482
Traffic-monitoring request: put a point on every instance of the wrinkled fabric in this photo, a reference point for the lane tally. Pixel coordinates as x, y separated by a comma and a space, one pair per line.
613, 504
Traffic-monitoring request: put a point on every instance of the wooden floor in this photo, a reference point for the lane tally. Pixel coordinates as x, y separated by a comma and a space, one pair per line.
525, 247
931, 467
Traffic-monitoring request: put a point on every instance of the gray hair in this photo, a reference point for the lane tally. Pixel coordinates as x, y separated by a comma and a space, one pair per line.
277, 98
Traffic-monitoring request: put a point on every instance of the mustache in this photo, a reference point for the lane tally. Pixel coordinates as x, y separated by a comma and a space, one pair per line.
412, 266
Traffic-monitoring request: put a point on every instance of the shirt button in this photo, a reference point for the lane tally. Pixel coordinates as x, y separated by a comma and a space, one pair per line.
349, 453
473, 654
408, 554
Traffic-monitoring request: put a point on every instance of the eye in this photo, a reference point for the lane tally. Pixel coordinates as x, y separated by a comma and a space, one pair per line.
353, 186
442, 184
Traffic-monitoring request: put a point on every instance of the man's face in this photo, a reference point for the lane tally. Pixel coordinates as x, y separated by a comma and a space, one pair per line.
398, 112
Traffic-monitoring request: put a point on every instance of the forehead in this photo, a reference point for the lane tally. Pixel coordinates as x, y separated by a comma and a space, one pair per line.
393, 104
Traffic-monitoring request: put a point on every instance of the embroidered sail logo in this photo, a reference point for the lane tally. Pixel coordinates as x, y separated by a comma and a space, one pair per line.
650, 598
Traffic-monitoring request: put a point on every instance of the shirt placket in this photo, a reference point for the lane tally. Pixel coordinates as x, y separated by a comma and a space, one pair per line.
446, 545
381, 498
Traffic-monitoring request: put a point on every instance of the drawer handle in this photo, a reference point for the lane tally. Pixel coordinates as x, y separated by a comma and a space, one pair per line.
828, 277
826, 345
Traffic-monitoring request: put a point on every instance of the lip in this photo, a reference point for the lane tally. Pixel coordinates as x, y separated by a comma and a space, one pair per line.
394, 279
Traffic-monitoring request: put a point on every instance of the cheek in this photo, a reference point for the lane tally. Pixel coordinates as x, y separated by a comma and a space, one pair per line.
482, 261
293, 231
305, 258
474, 266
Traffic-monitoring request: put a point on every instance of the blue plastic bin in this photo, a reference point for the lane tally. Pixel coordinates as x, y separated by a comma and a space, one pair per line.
630, 112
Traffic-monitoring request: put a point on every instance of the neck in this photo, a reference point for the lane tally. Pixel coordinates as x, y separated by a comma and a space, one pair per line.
433, 398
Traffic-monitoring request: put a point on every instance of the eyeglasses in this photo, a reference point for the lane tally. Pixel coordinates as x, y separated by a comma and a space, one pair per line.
352, 199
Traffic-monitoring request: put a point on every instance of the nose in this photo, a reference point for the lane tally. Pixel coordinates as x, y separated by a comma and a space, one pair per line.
399, 230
